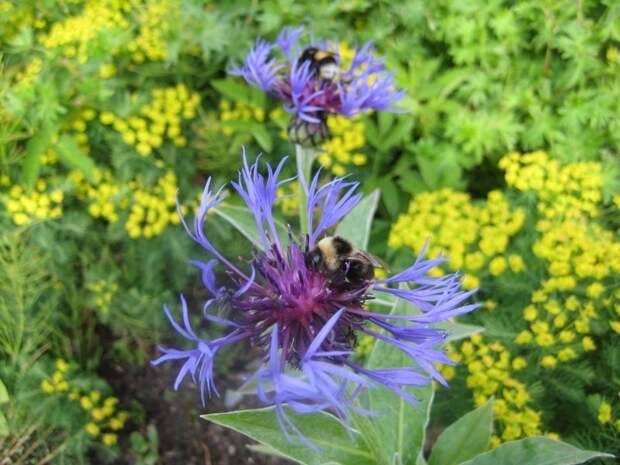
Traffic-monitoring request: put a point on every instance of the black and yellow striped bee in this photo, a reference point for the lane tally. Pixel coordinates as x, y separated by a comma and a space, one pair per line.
322, 63
346, 265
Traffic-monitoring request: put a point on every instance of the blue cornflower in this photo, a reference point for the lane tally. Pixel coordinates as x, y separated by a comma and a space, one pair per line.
311, 90
303, 321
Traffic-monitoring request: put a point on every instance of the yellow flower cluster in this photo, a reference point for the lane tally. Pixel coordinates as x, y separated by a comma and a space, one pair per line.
103, 418
347, 137
30, 73
490, 367
159, 119
152, 209
104, 291
563, 191
288, 198
104, 195
474, 236
155, 18
17, 16
579, 255
238, 111
58, 381
75, 33
40, 204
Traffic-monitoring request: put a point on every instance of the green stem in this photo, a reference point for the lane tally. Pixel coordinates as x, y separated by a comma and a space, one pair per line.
304, 157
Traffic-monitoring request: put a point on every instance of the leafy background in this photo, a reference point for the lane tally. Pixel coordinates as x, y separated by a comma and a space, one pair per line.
507, 154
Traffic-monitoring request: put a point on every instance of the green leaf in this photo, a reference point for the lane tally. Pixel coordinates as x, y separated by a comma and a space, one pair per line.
325, 431
397, 434
391, 196
4, 394
263, 137
233, 90
458, 331
536, 451
264, 449
36, 147
398, 132
70, 154
356, 225
467, 437
4, 426
304, 157
243, 221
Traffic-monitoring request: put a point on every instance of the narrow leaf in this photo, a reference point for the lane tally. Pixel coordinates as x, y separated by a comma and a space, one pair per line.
233, 90
71, 155
263, 137
35, 149
243, 221
356, 225
467, 437
4, 394
325, 431
536, 451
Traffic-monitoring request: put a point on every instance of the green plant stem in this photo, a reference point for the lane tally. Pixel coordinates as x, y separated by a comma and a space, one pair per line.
304, 157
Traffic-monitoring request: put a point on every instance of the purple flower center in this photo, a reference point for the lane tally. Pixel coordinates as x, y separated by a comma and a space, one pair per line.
299, 299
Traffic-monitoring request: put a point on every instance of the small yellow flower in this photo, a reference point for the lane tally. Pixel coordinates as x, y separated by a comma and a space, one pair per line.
548, 361
497, 266
588, 344
566, 354
516, 263
97, 414
567, 336
560, 320
530, 313
86, 403
448, 372
47, 387
604, 413
519, 363
524, 337
107, 117
110, 402
470, 282
92, 429
109, 439
594, 290
615, 325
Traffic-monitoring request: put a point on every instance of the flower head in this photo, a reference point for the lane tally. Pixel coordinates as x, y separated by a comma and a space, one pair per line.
304, 319
312, 83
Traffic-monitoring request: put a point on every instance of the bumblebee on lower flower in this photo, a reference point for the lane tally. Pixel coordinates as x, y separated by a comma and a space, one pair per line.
287, 301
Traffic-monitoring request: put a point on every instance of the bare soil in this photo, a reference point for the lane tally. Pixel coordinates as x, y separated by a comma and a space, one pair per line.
185, 438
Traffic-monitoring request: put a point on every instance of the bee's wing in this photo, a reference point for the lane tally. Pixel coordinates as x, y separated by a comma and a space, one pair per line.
374, 261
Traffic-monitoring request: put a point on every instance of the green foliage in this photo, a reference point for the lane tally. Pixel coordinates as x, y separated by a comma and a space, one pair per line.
26, 303
94, 146
143, 447
467, 437
536, 450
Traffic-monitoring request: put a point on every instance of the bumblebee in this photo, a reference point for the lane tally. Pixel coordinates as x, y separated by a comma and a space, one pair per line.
347, 266
323, 64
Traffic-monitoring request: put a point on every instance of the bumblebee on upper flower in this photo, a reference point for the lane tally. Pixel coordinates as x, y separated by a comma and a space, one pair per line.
313, 83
